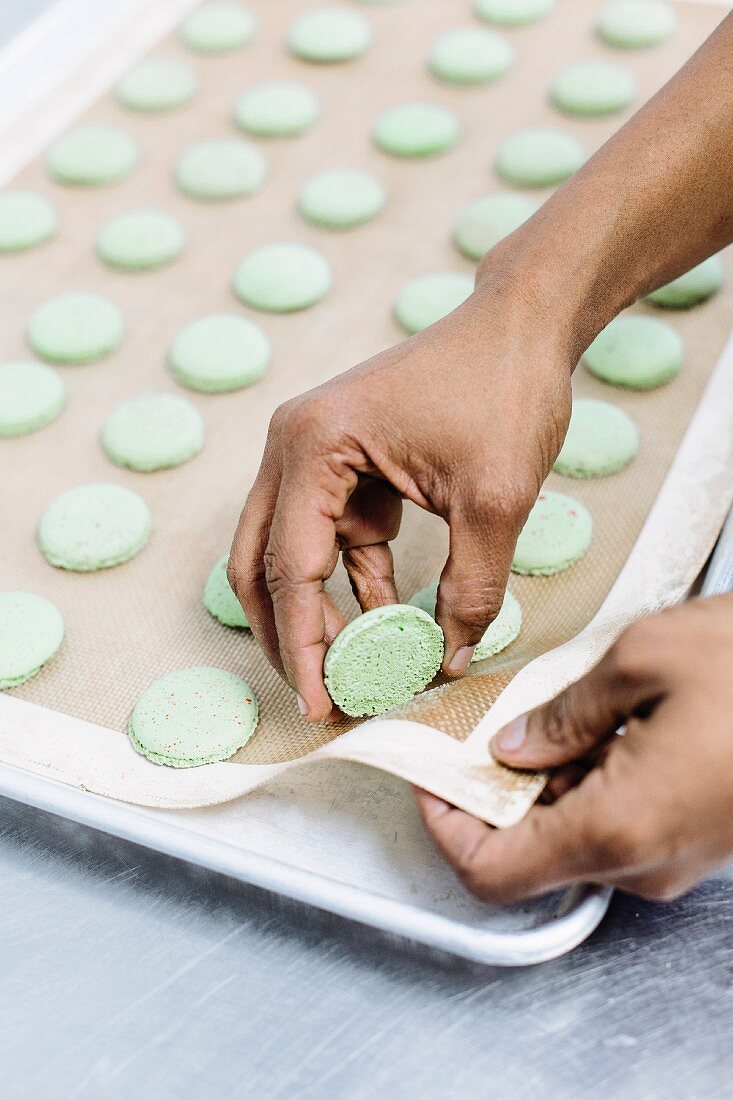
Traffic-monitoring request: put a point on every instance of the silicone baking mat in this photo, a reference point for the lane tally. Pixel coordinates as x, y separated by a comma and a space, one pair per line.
128, 625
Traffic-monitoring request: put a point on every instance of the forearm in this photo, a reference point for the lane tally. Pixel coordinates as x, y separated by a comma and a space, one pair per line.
654, 200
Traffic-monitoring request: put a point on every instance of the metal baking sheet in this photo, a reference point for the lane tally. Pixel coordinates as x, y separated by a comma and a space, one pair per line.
400, 885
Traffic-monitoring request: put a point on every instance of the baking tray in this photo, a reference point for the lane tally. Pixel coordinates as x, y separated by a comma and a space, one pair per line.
404, 888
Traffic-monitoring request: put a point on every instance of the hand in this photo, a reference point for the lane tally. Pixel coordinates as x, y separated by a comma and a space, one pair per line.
464, 419
651, 811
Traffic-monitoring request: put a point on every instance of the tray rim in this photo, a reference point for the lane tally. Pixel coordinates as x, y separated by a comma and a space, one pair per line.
580, 909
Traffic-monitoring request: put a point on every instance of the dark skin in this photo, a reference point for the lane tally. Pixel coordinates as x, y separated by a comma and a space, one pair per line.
654, 201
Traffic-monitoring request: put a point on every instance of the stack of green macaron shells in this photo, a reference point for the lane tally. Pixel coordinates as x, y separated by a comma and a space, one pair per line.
31, 396
498, 635
193, 716
31, 631
382, 659
219, 599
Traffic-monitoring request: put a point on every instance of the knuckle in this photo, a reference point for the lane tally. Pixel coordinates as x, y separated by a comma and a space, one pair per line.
280, 415
473, 608
304, 418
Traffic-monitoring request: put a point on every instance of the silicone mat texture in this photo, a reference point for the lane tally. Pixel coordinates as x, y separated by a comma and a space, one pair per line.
128, 625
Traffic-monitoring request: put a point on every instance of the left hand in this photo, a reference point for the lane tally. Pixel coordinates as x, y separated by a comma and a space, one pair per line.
650, 812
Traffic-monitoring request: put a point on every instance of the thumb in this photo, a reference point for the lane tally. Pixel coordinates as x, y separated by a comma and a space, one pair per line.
579, 719
473, 582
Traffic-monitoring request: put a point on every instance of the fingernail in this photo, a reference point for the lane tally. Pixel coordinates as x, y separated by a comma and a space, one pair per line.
460, 660
302, 706
513, 736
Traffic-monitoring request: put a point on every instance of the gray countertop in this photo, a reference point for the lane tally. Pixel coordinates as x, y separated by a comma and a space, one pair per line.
128, 974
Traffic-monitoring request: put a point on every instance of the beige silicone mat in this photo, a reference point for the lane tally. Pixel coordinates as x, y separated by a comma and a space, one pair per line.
128, 625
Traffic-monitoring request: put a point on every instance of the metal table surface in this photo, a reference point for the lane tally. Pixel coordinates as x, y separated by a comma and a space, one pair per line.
127, 974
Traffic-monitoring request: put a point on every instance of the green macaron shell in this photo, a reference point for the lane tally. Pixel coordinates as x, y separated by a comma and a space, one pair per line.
219, 27
277, 109
470, 55
639, 353
93, 527
695, 286
556, 535
329, 34
497, 636
636, 24
594, 88
31, 395
193, 716
140, 240
428, 298
26, 220
219, 600
31, 631
153, 431
91, 156
490, 219
539, 157
76, 327
513, 13
601, 440
415, 130
157, 84
221, 170
218, 353
341, 198
283, 278
383, 659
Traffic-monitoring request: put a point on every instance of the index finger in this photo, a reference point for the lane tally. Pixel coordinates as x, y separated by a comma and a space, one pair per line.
299, 555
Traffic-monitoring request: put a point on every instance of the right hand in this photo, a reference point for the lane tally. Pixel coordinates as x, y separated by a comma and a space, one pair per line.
465, 419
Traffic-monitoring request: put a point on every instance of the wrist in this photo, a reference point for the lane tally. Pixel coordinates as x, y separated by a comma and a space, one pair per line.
554, 283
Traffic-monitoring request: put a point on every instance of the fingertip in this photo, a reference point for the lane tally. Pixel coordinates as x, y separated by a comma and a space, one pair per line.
317, 707
457, 663
429, 804
508, 744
